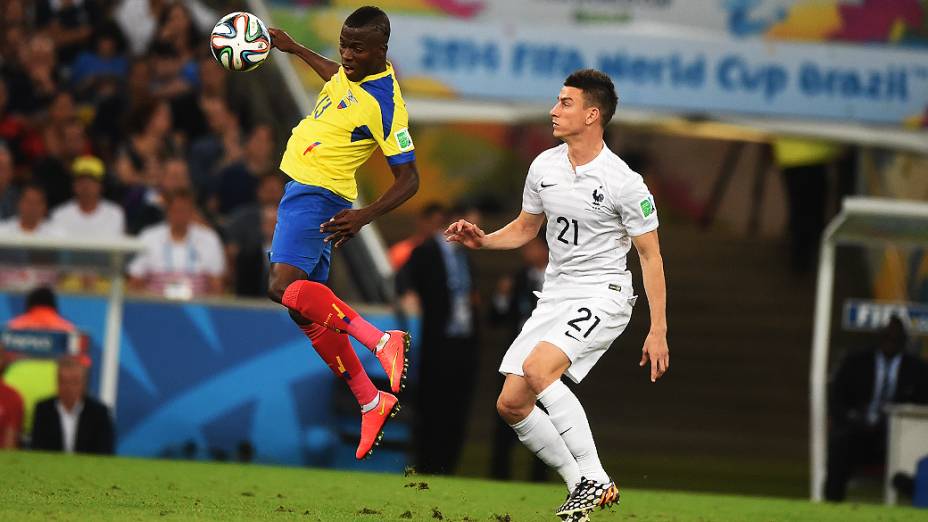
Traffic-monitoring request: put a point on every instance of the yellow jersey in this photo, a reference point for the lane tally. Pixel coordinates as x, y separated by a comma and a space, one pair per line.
348, 121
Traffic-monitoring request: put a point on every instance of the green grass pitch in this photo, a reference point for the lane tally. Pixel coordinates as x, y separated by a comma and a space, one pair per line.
37, 486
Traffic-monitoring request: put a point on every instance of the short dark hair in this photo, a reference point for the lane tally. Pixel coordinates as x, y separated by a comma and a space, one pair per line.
369, 17
598, 90
42, 296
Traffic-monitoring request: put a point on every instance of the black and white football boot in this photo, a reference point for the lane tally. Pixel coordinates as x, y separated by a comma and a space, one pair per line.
587, 496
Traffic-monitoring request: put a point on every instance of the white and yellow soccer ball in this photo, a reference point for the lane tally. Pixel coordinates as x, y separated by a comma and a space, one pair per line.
240, 42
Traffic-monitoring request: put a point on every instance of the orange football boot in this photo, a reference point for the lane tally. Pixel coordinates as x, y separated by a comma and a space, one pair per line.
372, 424
393, 359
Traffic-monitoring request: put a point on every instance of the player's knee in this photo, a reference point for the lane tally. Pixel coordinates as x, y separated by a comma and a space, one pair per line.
511, 409
275, 291
537, 374
277, 287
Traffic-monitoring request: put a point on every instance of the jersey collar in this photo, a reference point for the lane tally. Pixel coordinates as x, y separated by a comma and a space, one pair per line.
591, 165
387, 72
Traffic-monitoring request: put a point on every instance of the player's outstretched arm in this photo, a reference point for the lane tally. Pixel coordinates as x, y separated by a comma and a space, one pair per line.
517, 233
655, 347
344, 225
324, 67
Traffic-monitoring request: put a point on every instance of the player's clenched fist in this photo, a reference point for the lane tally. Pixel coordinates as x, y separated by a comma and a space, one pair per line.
281, 40
466, 233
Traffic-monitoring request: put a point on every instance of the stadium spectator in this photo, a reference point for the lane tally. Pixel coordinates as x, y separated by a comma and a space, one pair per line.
61, 109
64, 144
9, 193
441, 275
72, 421
804, 166
33, 80
70, 24
252, 264
88, 215
234, 184
30, 218
103, 61
181, 259
139, 20
176, 26
175, 81
149, 130
21, 140
41, 313
431, 219
216, 149
512, 304
19, 272
241, 230
245, 234
145, 204
34, 377
113, 98
863, 385
11, 409
214, 83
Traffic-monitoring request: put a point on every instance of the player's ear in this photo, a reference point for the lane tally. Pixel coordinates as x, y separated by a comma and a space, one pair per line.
592, 115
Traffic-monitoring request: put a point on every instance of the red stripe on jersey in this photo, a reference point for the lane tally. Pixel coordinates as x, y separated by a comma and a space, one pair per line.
311, 147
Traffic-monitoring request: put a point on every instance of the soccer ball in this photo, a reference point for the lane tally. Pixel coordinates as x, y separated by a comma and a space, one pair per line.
240, 42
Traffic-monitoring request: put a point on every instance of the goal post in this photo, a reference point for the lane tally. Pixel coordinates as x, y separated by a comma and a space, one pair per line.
105, 257
866, 222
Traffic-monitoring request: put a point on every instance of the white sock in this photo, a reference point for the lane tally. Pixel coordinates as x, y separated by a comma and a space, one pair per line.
371, 405
569, 419
540, 436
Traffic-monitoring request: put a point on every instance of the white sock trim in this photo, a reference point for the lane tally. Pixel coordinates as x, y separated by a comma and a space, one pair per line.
530, 419
382, 342
371, 405
553, 393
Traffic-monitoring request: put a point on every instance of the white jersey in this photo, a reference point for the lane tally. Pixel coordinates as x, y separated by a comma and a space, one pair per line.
592, 215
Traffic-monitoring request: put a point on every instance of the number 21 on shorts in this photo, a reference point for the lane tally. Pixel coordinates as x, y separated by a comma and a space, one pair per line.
582, 324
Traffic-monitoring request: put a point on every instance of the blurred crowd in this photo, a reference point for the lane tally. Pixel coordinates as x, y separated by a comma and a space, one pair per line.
116, 121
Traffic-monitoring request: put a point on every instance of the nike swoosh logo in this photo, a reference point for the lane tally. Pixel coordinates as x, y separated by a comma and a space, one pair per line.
568, 429
393, 369
382, 406
546, 186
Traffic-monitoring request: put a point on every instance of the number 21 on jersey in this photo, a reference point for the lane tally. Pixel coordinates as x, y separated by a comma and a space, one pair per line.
565, 235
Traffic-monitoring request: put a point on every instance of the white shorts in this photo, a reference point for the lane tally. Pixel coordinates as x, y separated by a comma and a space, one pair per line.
582, 327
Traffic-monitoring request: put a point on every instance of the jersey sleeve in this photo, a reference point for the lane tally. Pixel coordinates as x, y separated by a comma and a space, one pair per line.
531, 200
636, 208
396, 143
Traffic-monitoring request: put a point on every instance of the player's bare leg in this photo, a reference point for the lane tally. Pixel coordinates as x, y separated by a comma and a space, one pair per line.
516, 406
543, 369
336, 350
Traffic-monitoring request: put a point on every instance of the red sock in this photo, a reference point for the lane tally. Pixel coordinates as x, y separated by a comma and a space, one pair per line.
317, 303
335, 349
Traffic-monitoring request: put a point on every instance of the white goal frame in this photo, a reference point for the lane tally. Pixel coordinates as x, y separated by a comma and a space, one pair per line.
862, 221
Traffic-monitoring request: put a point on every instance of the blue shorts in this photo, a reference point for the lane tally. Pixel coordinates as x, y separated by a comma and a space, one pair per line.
297, 240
